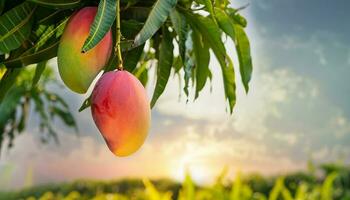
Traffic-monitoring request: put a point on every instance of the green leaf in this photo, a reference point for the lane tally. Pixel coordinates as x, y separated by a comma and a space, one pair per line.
24, 115
142, 73
244, 57
132, 57
102, 23
156, 18
188, 69
164, 64
202, 56
237, 18
47, 52
44, 49
209, 7
9, 104
61, 4
225, 22
40, 67
2, 5
130, 28
65, 116
15, 26
211, 34
7, 80
51, 17
181, 28
177, 64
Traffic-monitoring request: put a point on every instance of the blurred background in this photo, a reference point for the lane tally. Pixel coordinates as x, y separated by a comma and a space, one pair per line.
297, 111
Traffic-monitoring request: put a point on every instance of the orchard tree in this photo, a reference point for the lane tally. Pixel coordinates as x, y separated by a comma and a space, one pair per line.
172, 36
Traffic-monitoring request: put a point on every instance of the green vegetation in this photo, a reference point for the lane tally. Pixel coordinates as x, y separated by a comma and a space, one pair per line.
330, 182
169, 37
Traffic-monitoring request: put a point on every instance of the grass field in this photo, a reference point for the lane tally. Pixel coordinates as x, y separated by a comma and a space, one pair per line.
327, 182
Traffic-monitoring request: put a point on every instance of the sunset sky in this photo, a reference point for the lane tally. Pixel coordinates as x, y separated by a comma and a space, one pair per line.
297, 108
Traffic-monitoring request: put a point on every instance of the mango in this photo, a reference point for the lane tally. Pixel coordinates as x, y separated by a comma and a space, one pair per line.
78, 69
121, 111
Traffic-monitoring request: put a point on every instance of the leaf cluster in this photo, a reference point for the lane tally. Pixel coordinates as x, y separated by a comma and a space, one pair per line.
178, 37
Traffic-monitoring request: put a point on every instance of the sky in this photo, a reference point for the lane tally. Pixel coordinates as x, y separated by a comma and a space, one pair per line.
297, 108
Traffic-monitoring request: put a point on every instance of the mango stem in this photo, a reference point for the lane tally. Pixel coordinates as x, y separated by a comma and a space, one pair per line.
118, 35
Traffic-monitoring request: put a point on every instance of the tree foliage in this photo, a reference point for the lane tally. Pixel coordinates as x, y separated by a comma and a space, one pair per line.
171, 36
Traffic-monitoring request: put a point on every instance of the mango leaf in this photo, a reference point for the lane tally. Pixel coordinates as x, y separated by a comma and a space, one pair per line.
24, 115
188, 69
142, 73
44, 49
188, 64
47, 52
48, 17
15, 26
9, 104
64, 115
156, 18
40, 67
244, 57
164, 64
130, 28
177, 64
221, 3
2, 5
102, 23
7, 80
181, 29
225, 22
202, 56
132, 57
211, 33
209, 7
61, 4
237, 18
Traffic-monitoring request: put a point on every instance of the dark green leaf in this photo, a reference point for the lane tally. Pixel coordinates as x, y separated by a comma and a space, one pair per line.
61, 4
142, 73
202, 56
48, 17
130, 28
65, 116
40, 67
47, 52
7, 80
181, 28
102, 23
132, 57
2, 5
164, 64
15, 26
211, 33
85, 104
177, 64
44, 49
244, 57
156, 18
24, 114
9, 104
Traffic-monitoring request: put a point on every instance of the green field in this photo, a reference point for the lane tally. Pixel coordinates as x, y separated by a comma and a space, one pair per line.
327, 182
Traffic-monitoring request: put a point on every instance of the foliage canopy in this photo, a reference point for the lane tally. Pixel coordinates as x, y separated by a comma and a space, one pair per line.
168, 35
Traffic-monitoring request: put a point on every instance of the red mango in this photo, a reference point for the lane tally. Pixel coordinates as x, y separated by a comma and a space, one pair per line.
121, 111
78, 69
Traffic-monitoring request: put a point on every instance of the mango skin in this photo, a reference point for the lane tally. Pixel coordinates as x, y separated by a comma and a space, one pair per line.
78, 69
121, 111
